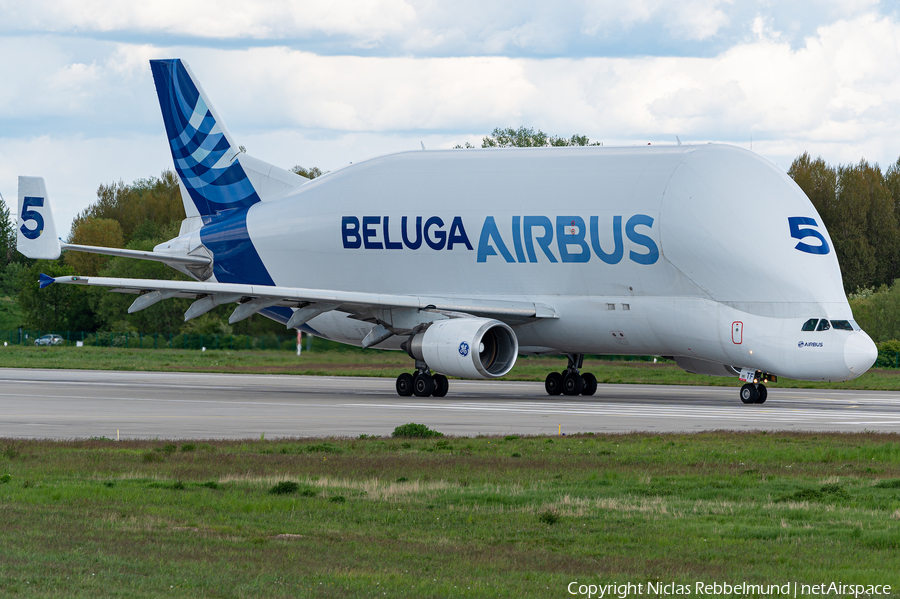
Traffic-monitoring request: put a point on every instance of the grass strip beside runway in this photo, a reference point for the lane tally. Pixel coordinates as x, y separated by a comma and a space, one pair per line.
379, 363
445, 517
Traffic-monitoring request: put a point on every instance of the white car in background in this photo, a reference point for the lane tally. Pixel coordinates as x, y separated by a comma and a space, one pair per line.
49, 340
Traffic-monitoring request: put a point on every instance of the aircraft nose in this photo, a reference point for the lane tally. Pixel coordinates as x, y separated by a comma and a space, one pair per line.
859, 353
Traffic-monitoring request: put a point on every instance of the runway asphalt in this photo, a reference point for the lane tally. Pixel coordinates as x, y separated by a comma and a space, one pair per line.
66, 404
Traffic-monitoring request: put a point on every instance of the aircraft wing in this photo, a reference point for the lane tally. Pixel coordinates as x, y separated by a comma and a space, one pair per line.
398, 312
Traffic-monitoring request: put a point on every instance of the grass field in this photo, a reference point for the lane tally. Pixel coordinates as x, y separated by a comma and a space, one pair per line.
375, 363
446, 517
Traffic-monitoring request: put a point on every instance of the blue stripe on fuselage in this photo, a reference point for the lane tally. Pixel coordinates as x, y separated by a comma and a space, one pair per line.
235, 260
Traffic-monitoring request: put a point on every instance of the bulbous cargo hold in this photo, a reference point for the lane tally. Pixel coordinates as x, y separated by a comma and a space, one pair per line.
743, 233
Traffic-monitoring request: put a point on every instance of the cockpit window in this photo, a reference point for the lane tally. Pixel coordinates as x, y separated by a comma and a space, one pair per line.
843, 325
823, 325
810, 325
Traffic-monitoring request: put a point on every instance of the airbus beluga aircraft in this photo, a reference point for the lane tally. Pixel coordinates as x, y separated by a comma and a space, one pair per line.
465, 259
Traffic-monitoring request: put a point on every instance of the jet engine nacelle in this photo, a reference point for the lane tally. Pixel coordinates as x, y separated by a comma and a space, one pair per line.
472, 348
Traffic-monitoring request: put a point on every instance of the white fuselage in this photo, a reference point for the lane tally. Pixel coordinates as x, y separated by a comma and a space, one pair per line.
675, 251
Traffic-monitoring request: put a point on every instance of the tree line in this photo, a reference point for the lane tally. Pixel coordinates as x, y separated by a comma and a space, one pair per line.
859, 205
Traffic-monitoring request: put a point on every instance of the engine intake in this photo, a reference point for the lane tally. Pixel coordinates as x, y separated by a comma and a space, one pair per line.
472, 348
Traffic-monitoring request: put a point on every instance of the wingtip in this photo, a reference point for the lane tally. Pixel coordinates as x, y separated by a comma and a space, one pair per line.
45, 280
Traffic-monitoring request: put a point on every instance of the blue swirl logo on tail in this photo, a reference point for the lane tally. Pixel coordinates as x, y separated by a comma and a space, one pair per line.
204, 157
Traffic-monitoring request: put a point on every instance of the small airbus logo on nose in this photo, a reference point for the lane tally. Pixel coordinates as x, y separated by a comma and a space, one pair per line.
810, 344
464, 349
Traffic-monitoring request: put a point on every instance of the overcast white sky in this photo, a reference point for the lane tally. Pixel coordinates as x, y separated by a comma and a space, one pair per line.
326, 83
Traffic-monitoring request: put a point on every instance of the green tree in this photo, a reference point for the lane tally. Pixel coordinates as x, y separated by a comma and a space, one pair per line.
142, 209
209, 324
878, 312
309, 173
10, 276
7, 249
575, 140
527, 137
7, 235
56, 307
892, 182
104, 232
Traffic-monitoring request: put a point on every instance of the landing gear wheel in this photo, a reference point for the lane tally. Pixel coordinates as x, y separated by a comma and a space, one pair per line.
554, 383
423, 384
763, 393
573, 383
405, 385
590, 384
749, 393
441, 385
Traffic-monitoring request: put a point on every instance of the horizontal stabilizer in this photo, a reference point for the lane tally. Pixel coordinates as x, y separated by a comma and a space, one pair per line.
45, 280
140, 255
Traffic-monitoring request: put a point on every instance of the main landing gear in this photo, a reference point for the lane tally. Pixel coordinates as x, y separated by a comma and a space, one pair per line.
755, 391
422, 383
570, 382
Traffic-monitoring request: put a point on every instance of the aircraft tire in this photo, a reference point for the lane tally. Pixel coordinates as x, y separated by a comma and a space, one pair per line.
590, 384
573, 383
553, 383
405, 385
763, 393
441, 385
423, 385
749, 394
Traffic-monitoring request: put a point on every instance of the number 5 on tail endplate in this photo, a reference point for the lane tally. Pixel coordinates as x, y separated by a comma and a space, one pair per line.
27, 215
35, 231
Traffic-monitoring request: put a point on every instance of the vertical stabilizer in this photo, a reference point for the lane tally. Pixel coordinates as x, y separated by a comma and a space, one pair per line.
206, 157
35, 230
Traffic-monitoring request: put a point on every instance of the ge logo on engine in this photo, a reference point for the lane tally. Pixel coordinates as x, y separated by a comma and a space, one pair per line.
464, 349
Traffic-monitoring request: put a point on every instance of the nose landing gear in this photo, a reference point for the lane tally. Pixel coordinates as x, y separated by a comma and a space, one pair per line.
754, 391
570, 381
750, 393
422, 383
